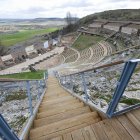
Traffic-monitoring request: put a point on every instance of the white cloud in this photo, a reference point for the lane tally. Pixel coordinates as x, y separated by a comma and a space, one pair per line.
59, 8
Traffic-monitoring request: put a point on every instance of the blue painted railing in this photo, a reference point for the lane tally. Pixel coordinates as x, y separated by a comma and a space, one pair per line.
6, 133
125, 76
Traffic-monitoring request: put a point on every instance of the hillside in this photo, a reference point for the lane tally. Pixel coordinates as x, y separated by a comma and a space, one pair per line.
116, 15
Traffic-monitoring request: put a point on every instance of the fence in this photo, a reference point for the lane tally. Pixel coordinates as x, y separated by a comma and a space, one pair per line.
113, 88
19, 100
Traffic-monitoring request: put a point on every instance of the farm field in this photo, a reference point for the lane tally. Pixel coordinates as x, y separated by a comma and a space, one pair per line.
11, 39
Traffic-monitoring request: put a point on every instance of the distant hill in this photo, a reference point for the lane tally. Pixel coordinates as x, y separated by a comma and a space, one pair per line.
116, 15
36, 20
46, 19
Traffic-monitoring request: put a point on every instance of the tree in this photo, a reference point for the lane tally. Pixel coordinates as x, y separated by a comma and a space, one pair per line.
69, 18
2, 50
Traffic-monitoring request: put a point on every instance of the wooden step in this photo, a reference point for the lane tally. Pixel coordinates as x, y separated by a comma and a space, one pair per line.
63, 132
53, 90
133, 131
58, 100
55, 96
42, 109
50, 91
64, 124
133, 120
61, 116
56, 105
60, 110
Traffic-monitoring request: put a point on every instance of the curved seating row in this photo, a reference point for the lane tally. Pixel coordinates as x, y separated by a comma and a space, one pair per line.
68, 52
84, 56
70, 55
89, 56
71, 58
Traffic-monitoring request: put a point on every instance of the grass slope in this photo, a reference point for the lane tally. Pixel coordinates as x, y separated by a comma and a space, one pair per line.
85, 41
116, 15
12, 39
25, 75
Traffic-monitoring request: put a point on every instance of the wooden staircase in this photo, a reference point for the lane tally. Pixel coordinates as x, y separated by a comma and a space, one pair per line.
60, 113
63, 117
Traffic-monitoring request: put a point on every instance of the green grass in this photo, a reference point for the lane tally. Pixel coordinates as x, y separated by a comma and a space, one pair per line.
25, 75
130, 101
20, 95
18, 123
12, 39
85, 41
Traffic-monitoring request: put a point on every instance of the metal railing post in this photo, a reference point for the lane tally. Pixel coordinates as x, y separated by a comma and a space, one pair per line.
61, 79
121, 86
84, 85
71, 83
6, 133
41, 86
37, 85
65, 79
29, 97
44, 75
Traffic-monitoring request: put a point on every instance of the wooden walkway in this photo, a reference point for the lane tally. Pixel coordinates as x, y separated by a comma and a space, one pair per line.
63, 117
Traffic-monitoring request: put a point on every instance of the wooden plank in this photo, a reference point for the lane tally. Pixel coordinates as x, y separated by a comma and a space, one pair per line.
57, 103
77, 135
129, 127
88, 133
56, 111
133, 120
58, 133
99, 132
67, 136
64, 124
59, 107
61, 116
57, 138
108, 129
136, 112
120, 130
50, 92
53, 90
55, 96
54, 106
54, 101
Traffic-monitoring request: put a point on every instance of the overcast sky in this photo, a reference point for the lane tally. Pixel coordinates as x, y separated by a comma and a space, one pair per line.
59, 8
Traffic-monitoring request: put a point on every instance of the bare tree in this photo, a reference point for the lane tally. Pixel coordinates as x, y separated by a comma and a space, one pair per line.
69, 18
2, 49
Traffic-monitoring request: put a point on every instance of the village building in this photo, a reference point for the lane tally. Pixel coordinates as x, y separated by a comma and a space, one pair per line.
40, 48
31, 51
8, 60
1, 63
19, 55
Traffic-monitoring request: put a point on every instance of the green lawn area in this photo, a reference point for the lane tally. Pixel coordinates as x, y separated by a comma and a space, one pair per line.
25, 75
12, 39
130, 101
85, 41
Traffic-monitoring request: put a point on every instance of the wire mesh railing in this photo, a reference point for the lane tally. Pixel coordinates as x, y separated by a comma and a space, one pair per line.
113, 89
18, 100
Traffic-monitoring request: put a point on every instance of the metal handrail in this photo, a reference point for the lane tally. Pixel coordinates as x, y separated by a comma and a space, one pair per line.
121, 85
96, 68
6, 133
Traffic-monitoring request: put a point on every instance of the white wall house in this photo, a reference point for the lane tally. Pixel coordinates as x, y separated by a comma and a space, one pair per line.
7, 58
30, 49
